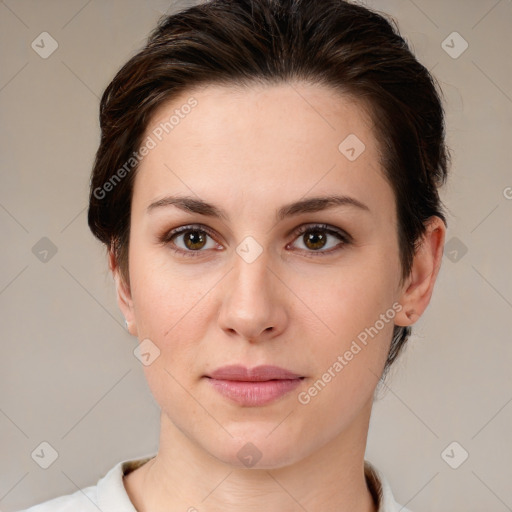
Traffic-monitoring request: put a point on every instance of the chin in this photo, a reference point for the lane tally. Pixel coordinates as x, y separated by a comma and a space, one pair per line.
257, 450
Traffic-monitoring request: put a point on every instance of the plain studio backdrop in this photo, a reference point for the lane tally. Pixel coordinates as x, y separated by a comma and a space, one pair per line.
441, 429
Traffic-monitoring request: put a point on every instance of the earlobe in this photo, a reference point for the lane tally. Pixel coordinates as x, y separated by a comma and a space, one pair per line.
124, 298
425, 268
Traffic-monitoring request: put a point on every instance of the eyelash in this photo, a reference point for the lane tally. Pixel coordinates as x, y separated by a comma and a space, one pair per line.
346, 239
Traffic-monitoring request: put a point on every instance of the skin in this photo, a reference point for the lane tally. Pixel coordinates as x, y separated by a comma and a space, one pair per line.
250, 151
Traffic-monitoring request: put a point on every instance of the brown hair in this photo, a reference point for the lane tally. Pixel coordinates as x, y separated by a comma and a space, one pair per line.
241, 42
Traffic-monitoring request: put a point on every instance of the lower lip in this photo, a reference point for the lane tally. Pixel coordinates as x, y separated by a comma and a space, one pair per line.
254, 393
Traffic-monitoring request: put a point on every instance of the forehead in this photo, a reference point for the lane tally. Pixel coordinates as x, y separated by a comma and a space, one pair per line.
266, 143
308, 112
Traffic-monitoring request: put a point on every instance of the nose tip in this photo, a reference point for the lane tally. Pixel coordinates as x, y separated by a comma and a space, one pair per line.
251, 304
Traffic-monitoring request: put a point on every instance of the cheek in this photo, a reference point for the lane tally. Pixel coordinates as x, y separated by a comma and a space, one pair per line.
163, 294
355, 303
173, 308
171, 311
350, 357
352, 297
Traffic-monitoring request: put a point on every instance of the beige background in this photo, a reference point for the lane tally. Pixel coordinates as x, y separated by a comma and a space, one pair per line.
68, 375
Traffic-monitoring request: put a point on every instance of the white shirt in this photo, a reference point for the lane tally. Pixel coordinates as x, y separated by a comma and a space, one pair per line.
109, 494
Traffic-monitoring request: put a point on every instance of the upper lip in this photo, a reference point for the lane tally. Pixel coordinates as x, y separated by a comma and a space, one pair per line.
256, 374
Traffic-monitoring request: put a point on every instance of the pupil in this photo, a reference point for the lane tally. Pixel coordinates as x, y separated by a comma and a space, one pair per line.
316, 239
196, 240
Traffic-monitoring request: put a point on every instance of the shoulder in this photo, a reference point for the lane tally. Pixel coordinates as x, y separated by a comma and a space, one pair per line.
84, 500
108, 495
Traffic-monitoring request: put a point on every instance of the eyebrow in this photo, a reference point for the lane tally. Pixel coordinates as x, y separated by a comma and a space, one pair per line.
313, 204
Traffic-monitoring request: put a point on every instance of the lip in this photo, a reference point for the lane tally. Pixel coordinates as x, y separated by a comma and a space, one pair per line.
256, 374
253, 387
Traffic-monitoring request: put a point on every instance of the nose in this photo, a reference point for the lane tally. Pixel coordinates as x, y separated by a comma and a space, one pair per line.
253, 301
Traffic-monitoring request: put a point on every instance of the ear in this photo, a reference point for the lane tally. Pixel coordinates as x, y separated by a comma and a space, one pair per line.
418, 287
124, 298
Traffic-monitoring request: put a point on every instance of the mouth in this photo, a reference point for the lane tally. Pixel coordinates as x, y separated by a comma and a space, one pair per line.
253, 387
257, 374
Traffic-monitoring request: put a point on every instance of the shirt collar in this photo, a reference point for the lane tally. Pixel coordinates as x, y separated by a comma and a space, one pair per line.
112, 495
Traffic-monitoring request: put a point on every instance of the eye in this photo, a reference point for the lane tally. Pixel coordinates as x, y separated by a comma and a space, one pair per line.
189, 240
193, 239
315, 238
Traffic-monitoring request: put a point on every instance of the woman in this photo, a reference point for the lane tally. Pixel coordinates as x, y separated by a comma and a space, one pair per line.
266, 186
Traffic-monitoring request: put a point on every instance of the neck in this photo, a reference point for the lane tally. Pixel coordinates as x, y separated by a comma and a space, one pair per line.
183, 476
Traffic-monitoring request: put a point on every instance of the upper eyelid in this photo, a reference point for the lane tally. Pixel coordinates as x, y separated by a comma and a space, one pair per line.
321, 226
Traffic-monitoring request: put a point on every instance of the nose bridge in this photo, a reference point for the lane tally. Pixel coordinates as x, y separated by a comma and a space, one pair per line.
250, 304
251, 278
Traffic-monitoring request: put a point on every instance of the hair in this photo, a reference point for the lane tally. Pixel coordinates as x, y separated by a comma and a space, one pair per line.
333, 43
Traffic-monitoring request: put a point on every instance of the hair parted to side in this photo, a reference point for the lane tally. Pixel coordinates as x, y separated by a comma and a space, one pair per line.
332, 43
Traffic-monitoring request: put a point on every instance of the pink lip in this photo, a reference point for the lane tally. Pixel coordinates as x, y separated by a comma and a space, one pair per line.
253, 387
256, 374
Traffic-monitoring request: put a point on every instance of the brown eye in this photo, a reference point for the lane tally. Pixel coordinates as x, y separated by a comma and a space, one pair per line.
320, 239
194, 239
314, 239
189, 241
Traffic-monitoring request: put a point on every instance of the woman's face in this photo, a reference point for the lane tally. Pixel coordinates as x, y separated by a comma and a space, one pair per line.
245, 285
